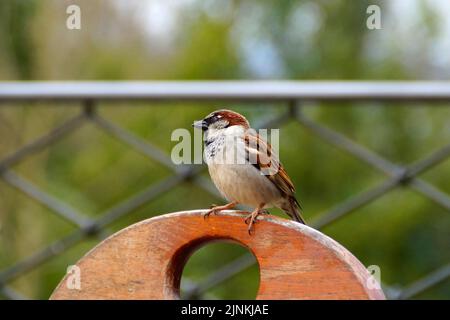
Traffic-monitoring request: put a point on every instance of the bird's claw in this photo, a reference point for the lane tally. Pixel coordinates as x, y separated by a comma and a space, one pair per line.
207, 214
251, 226
214, 208
251, 219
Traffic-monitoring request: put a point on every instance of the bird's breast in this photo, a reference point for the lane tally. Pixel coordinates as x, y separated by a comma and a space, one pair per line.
243, 183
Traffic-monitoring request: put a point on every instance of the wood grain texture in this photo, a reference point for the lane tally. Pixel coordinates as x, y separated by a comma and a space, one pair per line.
145, 260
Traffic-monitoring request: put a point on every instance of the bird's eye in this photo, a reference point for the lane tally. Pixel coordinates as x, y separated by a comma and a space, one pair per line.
213, 119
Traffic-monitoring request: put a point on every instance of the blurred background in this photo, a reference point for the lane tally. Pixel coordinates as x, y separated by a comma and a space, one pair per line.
404, 233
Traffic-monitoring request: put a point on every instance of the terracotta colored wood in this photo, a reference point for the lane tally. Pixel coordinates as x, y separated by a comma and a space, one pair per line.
145, 260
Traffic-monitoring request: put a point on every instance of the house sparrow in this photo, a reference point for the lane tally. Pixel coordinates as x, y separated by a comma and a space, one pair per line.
243, 167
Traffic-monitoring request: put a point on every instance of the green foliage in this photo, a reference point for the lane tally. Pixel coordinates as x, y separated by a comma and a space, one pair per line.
15, 29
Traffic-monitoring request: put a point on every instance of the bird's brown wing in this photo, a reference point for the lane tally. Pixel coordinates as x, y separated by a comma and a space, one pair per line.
261, 156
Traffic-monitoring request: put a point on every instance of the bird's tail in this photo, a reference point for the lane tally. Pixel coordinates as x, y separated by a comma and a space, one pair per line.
293, 208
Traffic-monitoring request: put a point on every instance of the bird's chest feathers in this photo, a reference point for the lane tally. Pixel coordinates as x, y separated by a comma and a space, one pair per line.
213, 147
233, 175
219, 144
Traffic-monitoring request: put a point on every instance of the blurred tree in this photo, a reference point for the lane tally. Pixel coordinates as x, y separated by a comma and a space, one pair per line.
15, 31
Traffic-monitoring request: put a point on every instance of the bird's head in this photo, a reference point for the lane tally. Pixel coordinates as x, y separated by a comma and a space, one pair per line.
221, 119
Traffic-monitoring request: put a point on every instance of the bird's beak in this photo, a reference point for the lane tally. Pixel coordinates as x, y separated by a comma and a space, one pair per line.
200, 124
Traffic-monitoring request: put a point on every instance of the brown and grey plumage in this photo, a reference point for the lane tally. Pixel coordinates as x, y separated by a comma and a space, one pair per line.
255, 177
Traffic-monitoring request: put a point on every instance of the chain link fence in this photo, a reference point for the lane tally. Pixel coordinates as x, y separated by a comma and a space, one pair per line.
293, 94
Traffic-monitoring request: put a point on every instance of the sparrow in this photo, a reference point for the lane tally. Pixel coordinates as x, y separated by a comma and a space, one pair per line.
243, 167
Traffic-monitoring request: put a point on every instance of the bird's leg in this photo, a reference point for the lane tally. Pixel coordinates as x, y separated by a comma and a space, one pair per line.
215, 209
251, 218
260, 211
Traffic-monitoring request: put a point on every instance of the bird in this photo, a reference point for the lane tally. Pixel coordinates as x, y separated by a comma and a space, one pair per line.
244, 168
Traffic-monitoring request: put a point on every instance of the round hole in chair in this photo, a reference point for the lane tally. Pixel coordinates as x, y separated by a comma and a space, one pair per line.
221, 269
